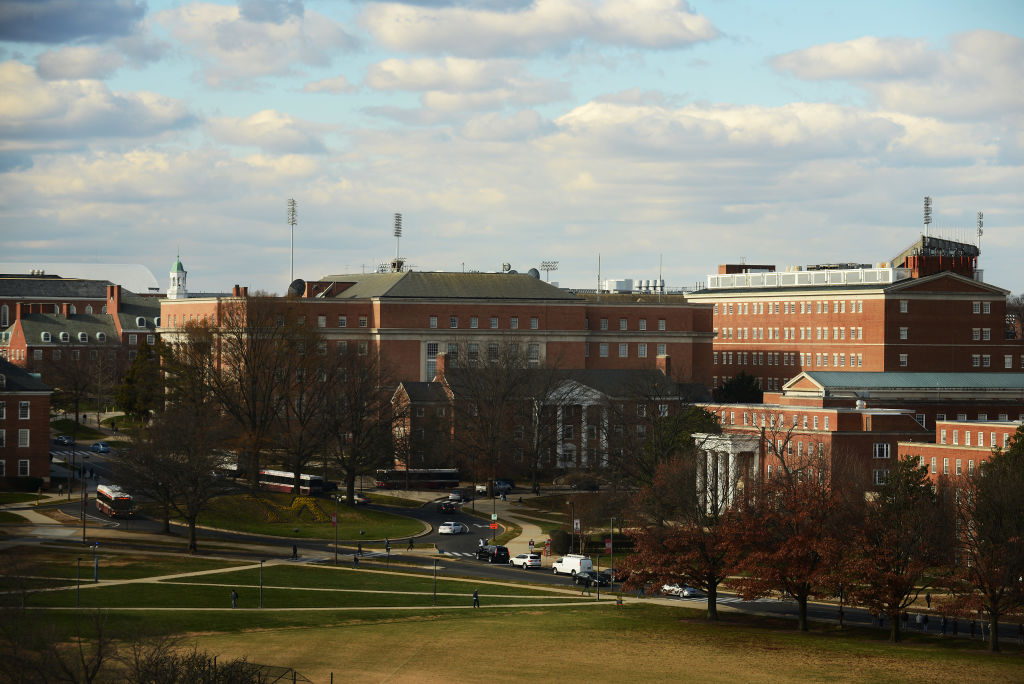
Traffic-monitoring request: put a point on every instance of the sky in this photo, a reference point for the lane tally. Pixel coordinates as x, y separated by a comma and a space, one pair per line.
620, 138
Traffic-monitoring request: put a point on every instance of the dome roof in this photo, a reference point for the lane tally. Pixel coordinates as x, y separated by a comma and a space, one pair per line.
177, 267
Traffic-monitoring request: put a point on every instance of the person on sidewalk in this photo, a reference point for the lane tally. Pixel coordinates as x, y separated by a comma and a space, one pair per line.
476, 598
234, 598
409, 548
585, 586
359, 548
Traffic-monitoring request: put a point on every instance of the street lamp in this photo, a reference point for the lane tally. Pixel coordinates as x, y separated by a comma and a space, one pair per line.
435, 581
572, 523
611, 547
96, 562
78, 592
261, 584
335, 497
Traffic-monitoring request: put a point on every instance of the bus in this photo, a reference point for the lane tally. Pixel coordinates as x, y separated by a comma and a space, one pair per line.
114, 502
283, 481
418, 478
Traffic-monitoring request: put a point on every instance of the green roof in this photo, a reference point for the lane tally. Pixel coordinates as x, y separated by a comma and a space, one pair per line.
431, 285
837, 380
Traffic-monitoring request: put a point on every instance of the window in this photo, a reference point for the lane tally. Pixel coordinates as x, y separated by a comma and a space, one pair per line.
603, 350
970, 466
492, 352
342, 321
321, 321
534, 323
604, 324
661, 324
642, 324
903, 360
362, 321
986, 307
533, 355
934, 467
151, 340
986, 361
301, 320
922, 419
623, 350
513, 323
881, 476
23, 438
494, 322
956, 437
623, 325
976, 360
641, 350
641, 410
903, 306
967, 437
826, 422
903, 332
23, 410
945, 466
433, 321
986, 334
453, 321
942, 436
975, 334
474, 322
473, 349
661, 350
363, 348
1008, 361
976, 307
133, 339
881, 450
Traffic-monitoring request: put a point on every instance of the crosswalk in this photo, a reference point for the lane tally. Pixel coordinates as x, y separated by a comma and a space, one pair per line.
457, 554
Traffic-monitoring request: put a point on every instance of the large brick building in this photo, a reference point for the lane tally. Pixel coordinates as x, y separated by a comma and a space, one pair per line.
928, 314
411, 317
961, 446
24, 425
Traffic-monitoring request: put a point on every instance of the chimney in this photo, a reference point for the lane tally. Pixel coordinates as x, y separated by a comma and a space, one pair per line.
234, 291
245, 291
66, 309
439, 373
664, 364
113, 299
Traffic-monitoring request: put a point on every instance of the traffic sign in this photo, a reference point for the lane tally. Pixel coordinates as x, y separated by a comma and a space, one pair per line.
494, 526
494, 516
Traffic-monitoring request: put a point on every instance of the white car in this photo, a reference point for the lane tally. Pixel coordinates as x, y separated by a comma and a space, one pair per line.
525, 560
452, 528
679, 590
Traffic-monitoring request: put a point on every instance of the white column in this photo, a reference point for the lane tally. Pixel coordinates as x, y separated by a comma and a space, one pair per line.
723, 479
731, 494
711, 486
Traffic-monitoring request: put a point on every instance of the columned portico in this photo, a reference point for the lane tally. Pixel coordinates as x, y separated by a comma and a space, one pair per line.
724, 465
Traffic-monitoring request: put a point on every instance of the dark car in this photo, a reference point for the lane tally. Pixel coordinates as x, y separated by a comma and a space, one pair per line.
493, 554
602, 579
449, 507
65, 440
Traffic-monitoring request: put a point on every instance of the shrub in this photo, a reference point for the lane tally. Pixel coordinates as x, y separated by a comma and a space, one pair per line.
560, 542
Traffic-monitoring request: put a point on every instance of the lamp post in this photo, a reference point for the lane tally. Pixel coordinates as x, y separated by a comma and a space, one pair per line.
85, 501
435, 581
96, 562
611, 547
78, 591
572, 523
261, 584
335, 529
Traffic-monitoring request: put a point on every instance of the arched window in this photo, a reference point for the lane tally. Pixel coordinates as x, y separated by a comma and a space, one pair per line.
88, 308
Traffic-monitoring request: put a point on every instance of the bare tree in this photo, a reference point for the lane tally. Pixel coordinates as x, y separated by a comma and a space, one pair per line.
990, 535
358, 415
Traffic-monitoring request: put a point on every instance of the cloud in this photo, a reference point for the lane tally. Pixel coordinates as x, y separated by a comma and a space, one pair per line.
59, 21
523, 125
233, 49
978, 76
42, 110
338, 84
269, 130
78, 62
542, 26
273, 11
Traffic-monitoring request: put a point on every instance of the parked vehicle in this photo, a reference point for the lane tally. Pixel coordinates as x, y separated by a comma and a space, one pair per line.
679, 590
525, 560
452, 528
493, 554
572, 564
358, 499
601, 579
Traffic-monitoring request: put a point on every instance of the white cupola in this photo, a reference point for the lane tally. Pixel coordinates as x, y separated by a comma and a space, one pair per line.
177, 288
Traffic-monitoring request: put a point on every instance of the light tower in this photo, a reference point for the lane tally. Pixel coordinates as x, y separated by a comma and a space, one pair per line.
547, 267
981, 224
292, 220
927, 214
399, 262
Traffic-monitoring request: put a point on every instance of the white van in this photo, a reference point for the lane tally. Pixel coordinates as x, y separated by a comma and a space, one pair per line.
571, 564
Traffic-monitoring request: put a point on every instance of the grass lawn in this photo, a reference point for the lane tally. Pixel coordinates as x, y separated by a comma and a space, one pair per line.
66, 426
17, 497
9, 517
274, 514
62, 563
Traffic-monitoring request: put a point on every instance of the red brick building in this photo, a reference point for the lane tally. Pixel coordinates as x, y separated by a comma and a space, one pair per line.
961, 446
24, 425
412, 317
913, 317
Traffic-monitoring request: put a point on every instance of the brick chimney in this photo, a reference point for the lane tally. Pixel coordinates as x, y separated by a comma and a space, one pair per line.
113, 299
664, 364
66, 310
441, 362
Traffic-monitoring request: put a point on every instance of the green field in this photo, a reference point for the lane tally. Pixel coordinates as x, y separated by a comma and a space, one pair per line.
372, 625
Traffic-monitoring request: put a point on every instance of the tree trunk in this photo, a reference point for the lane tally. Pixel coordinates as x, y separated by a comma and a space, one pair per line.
894, 629
993, 633
167, 518
192, 535
802, 608
712, 601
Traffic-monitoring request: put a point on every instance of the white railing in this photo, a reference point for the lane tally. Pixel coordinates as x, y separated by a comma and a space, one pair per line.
828, 278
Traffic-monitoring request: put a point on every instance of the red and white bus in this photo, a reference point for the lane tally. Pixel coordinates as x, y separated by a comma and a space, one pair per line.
114, 502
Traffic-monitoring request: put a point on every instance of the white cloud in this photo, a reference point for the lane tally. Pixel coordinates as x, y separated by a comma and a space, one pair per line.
543, 25
233, 49
82, 109
452, 74
334, 86
522, 125
78, 62
269, 130
978, 75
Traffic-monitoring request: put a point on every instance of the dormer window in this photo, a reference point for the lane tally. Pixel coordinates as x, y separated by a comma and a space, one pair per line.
140, 321
45, 337
156, 321
101, 337
83, 337
65, 337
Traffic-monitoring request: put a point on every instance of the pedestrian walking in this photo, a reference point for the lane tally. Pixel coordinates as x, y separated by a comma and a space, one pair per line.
585, 586
234, 598
295, 552
387, 545
355, 561
920, 622
925, 621
476, 598
531, 546
481, 544
928, 599
410, 545
359, 548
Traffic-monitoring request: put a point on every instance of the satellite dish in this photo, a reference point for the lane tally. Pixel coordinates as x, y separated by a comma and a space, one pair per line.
297, 288
506, 267
534, 272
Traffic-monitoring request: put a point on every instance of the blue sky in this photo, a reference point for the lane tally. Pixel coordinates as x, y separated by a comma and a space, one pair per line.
644, 131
